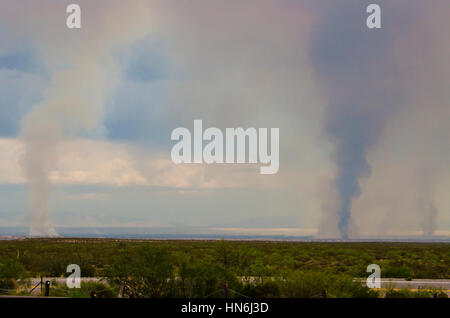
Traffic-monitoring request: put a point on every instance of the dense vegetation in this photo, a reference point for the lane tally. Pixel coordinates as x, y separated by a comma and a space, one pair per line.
217, 268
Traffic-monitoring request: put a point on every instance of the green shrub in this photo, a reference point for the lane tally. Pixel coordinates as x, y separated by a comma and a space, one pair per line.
396, 271
311, 284
148, 273
10, 271
100, 289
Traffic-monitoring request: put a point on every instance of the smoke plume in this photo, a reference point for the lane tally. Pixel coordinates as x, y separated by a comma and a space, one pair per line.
83, 72
429, 213
386, 96
356, 67
71, 104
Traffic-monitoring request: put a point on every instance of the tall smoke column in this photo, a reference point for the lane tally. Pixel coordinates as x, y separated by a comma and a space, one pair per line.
357, 68
83, 72
72, 103
40, 142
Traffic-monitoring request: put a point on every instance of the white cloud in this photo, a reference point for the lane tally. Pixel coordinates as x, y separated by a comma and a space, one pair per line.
98, 162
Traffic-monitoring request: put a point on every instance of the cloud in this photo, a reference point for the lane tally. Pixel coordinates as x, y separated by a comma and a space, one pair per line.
97, 162
155, 66
19, 91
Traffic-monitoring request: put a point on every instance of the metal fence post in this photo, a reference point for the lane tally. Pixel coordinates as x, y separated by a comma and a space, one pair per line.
47, 288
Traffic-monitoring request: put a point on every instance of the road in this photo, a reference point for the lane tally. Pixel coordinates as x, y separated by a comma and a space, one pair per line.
415, 284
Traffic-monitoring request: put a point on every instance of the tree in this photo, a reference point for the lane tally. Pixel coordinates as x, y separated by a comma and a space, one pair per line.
147, 273
10, 271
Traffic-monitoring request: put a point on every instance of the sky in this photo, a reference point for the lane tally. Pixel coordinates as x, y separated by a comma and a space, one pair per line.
86, 114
